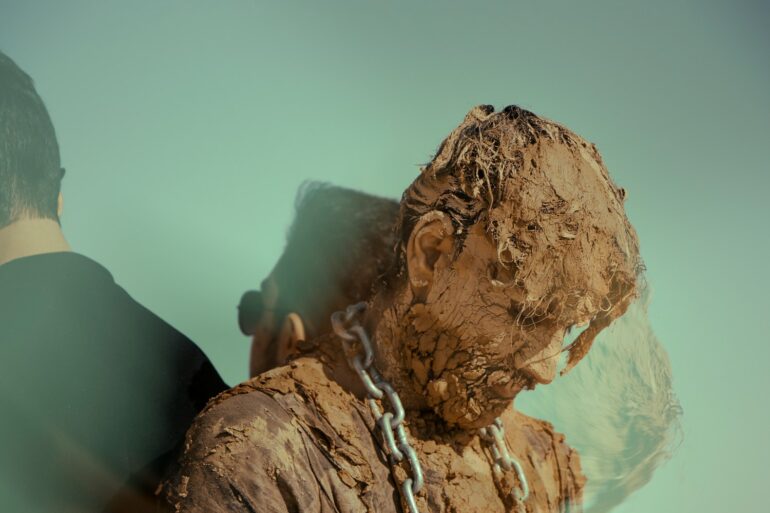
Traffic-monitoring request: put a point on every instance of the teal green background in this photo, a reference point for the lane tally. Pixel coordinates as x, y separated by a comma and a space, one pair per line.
187, 126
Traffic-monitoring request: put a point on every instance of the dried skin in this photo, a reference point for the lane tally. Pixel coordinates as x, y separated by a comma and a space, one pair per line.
547, 200
293, 440
542, 244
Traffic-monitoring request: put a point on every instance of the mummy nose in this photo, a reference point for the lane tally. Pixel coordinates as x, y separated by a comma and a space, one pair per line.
543, 371
541, 366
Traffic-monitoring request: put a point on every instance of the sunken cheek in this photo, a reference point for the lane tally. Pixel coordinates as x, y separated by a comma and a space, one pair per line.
490, 332
479, 309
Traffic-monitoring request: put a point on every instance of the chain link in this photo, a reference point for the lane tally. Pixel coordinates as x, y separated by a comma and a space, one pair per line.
494, 435
390, 423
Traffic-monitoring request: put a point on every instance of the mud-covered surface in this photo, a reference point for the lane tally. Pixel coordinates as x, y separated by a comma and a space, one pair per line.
540, 245
512, 235
292, 440
545, 197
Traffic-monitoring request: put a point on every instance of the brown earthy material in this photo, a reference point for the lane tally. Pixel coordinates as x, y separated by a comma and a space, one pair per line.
292, 440
513, 235
555, 215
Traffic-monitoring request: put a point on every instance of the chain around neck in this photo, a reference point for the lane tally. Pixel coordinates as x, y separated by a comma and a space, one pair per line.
391, 423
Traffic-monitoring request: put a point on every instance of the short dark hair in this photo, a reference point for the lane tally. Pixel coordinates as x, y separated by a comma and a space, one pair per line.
30, 167
340, 242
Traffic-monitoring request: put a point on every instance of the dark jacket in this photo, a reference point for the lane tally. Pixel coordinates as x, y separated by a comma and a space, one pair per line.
94, 388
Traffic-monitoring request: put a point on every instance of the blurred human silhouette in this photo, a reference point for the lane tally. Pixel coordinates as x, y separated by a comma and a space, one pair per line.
96, 391
618, 408
339, 243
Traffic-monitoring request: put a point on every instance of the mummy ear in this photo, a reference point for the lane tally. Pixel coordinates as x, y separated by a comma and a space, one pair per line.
430, 245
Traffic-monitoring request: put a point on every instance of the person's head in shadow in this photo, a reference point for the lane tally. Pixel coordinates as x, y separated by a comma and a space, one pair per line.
340, 243
30, 169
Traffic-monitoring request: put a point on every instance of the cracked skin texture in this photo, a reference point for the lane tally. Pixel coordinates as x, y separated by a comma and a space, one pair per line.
292, 440
511, 236
531, 241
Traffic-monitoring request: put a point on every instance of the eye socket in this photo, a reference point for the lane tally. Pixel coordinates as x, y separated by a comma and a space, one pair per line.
527, 318
533, 319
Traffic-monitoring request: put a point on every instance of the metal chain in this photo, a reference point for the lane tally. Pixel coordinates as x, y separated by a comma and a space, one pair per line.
494, 435
390, 423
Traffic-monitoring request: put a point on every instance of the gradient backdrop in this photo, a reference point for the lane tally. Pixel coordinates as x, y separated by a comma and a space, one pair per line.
186, 127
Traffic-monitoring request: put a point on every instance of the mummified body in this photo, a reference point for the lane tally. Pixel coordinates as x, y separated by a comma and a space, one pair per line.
511, 236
